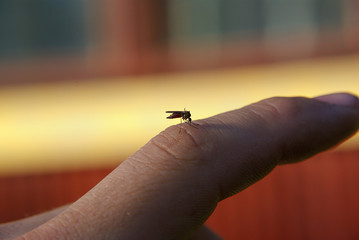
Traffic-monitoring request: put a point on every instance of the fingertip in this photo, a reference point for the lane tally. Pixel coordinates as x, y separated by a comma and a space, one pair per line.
340, 99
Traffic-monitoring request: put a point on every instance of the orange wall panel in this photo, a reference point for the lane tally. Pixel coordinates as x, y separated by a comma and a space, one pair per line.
315, 199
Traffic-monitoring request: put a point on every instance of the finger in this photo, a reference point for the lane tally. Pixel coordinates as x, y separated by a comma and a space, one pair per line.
169, 187
13, 229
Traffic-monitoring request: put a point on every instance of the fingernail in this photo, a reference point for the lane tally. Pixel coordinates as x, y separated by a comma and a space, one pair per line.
341, 99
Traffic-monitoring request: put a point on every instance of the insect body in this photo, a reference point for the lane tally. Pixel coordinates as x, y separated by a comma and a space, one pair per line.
185, 115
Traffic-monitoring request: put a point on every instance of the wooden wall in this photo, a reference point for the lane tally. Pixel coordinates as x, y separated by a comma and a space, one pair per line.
316, 199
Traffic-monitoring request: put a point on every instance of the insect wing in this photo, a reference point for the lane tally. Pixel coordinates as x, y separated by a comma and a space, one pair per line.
174, 111
175, 115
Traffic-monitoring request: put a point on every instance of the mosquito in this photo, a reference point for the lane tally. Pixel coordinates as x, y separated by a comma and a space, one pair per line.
185, 115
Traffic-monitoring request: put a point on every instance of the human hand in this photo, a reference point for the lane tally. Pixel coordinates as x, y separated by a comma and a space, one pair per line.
168, 188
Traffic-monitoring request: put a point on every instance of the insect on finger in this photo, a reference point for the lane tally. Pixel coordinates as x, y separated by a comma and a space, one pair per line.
185, 115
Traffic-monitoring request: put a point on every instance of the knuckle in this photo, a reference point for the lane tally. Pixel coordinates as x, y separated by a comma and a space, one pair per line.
182, 143
278, 108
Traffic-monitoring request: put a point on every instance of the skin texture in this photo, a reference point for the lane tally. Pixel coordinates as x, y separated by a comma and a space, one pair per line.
169, 187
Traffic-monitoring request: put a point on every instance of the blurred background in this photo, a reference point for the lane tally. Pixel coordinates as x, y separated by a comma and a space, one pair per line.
85, 83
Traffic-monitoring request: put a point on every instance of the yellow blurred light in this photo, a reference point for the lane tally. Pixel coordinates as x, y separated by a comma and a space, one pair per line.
101, 122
